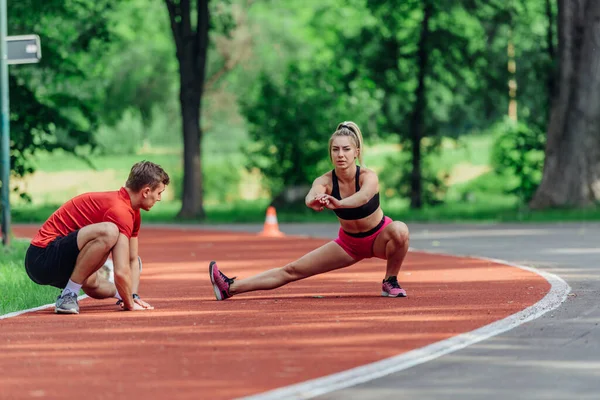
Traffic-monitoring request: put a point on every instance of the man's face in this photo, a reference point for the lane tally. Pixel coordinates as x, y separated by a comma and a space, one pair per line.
150, 197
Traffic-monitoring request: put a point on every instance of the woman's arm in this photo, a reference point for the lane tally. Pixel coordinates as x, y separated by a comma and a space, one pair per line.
316, 193
368, 188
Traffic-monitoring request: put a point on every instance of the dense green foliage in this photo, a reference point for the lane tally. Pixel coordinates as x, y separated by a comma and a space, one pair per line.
425, 69
280, 76
518, 152
54, 103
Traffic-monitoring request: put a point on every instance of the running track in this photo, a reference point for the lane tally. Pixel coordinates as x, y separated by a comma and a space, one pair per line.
193, 347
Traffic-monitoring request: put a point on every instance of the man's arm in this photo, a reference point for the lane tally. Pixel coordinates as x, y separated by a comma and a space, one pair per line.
135, 264
123, 272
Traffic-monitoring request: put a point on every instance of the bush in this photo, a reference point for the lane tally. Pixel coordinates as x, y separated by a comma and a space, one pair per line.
518, 152
290, 124
130, 135
220, 182
396, 181
124, 138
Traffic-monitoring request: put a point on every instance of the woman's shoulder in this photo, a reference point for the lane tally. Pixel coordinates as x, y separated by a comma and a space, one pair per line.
367, 172
327, 177
367, 175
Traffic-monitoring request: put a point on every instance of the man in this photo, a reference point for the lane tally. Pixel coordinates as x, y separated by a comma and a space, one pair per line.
75, 242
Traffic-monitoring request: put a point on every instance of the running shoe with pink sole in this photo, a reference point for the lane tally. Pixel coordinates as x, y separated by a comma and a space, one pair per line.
391, 288
219, 281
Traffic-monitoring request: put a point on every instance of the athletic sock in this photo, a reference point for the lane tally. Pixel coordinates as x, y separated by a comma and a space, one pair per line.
71, 287
117, 295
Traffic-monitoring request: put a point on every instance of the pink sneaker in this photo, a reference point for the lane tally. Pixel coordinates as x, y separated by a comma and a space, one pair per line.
391, 288
219, 281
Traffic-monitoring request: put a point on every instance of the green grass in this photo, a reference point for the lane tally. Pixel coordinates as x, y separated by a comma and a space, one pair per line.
471, 149
486, 208
61, 161
17, 291
474, 149
471, 198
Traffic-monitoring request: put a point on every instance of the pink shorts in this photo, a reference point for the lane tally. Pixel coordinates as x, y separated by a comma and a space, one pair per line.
360, 245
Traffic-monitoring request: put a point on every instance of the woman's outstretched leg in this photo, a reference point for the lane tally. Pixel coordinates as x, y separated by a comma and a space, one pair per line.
324, 259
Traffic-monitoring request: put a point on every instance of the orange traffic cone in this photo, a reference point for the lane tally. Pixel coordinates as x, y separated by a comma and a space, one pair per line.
271, 228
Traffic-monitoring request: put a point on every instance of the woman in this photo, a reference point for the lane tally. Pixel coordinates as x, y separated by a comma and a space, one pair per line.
353, 194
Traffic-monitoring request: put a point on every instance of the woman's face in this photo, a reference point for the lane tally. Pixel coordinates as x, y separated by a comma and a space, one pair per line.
343, 151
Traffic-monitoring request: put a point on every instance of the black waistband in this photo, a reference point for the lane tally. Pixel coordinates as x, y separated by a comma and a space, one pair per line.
369, 232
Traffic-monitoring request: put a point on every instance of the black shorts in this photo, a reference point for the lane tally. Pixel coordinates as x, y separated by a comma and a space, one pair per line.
54, 264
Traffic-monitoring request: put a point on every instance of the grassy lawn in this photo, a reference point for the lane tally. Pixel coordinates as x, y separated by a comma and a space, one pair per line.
485, 209
17, 291
474, 194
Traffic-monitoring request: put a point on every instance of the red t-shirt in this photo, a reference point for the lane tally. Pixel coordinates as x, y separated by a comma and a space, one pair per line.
91, 208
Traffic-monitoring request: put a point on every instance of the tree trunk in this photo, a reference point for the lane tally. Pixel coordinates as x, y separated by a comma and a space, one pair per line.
192, 48
192, 196
571, 175
417, 119
551, 53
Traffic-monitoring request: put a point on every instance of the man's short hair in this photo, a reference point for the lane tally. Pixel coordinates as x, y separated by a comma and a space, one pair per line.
146, 173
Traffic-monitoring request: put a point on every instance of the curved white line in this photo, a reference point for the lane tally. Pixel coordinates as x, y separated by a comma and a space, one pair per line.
559, 289
555, 297
17, 313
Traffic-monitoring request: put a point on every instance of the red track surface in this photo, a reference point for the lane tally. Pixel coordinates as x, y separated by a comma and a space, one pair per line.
192, 346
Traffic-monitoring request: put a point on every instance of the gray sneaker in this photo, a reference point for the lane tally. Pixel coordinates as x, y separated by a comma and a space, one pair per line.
67, 304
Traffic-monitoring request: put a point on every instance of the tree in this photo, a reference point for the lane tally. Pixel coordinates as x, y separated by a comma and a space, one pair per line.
54, 103
416, 53
290, 124
571, 175
192, 49
142, 70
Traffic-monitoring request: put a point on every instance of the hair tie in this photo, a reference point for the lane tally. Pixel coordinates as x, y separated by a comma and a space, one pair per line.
347, 127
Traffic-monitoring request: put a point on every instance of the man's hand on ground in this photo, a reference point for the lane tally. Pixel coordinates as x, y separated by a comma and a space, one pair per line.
143, 304
138, 304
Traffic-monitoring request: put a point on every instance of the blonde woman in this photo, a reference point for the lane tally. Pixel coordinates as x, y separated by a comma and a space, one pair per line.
352, 193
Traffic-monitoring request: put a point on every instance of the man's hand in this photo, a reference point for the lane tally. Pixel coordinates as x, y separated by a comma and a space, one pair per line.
138, 304
142, 303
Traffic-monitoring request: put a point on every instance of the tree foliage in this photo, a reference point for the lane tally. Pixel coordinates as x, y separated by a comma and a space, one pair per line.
415, 71
290, 124
54, 103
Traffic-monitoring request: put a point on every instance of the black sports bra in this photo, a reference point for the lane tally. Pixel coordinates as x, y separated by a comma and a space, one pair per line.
358, 212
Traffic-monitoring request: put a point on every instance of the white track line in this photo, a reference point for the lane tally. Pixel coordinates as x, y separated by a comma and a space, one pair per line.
556, 296
45, 306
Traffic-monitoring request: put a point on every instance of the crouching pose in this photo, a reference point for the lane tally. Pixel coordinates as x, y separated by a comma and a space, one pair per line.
76, 240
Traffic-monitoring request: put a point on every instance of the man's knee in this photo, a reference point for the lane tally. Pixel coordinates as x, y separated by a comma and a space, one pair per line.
110, 232
98, 287
91, 283
106, 233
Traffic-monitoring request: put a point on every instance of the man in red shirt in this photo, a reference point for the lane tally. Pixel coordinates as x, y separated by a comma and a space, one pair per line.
76, 240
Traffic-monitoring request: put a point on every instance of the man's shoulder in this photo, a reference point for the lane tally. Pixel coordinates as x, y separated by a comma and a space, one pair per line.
110, 194
106, 201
